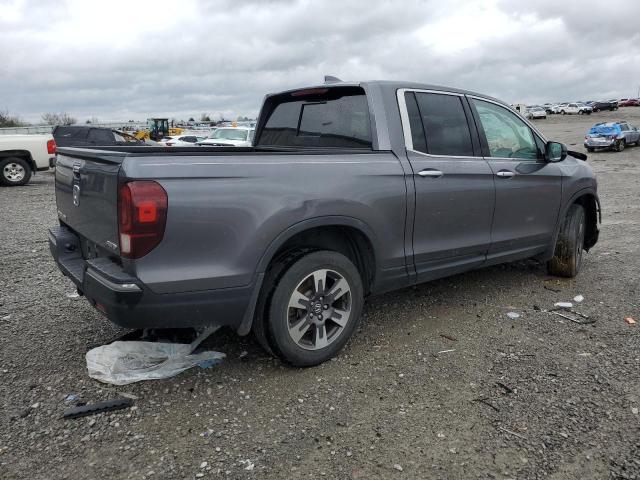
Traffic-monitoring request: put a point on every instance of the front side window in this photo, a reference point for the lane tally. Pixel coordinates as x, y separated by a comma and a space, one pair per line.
507, 135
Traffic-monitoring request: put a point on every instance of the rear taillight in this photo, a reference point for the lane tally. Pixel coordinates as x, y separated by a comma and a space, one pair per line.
142, 215
51, 147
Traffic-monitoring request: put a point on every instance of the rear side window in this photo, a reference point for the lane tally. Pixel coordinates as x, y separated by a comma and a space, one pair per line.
444, 123
319, 118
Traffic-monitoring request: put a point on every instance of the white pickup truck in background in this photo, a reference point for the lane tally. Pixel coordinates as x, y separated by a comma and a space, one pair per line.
22, 155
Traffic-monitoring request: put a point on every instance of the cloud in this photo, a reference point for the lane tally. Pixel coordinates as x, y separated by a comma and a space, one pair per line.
122, 59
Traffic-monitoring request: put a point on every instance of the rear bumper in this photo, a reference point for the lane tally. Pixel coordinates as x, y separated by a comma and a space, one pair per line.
127, 302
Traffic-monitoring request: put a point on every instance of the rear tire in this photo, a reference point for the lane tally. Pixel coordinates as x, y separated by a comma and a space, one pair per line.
567, 257
14, 172
313, 308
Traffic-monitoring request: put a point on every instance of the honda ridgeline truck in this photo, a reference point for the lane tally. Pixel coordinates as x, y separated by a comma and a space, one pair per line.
349, 190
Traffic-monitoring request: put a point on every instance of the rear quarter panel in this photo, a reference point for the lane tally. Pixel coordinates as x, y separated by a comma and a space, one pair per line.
225, 212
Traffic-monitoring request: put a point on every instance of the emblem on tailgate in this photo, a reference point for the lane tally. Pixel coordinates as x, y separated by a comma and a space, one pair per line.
76, 195
111, 245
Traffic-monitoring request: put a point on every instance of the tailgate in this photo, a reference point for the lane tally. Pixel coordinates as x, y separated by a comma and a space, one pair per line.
87, 194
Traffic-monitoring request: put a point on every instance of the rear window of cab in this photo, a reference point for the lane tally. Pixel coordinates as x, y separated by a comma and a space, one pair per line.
333, 117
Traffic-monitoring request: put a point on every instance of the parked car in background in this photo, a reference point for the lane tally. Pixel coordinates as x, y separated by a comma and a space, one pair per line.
341, 197
89, 136
575, 108
536, 112
230, 137
548, 107
586, 109
629, 102
181, 140
604, 105
612, 135
22, 155
557, 107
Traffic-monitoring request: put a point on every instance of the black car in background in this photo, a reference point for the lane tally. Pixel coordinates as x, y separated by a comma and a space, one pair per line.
87, 136
610, 105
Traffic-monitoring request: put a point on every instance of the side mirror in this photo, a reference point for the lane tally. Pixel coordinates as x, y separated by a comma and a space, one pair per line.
555, 152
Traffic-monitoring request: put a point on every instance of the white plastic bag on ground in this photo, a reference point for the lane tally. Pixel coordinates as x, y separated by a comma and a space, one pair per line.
121, 363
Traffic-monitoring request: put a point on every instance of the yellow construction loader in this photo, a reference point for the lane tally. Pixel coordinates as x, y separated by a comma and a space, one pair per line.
157, 128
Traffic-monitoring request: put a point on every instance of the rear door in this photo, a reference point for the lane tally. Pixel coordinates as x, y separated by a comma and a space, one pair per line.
630, 134
454, 186
528, 189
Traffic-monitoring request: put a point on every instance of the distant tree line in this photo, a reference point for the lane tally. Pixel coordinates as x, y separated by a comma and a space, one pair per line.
8, 120
62, 118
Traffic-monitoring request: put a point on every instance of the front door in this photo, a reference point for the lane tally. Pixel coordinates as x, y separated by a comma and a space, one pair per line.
528, 189
454, 185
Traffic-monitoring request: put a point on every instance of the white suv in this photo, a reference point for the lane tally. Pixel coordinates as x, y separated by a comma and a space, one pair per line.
571, 108
230, 137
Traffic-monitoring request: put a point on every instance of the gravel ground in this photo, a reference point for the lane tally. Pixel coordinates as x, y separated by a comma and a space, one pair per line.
438, 382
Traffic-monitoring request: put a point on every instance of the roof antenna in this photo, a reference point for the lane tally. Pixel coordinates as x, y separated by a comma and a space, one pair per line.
331, 79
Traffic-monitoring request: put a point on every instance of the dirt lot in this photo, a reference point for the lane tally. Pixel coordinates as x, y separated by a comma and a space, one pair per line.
438, 382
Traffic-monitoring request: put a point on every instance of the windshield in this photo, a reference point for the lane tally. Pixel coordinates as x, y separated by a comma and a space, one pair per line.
229, 134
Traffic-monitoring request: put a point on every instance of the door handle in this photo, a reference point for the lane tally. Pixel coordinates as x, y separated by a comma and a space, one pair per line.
430, 173
505, 174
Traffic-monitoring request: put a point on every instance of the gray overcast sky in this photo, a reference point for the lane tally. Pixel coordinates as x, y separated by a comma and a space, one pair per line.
132, 59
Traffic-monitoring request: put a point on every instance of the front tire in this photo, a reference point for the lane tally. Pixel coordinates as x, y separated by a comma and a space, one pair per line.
567, 257
314, 308
14, 172
562, 112
620, 145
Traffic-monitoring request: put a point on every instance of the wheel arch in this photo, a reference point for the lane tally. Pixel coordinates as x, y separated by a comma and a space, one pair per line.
23, 154
588, 199
347, 235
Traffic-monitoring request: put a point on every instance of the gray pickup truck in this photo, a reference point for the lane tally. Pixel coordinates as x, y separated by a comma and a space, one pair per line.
350, 189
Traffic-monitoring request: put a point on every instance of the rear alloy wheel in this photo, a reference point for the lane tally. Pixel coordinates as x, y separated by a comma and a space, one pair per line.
567, 257
14, 172
315, 308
